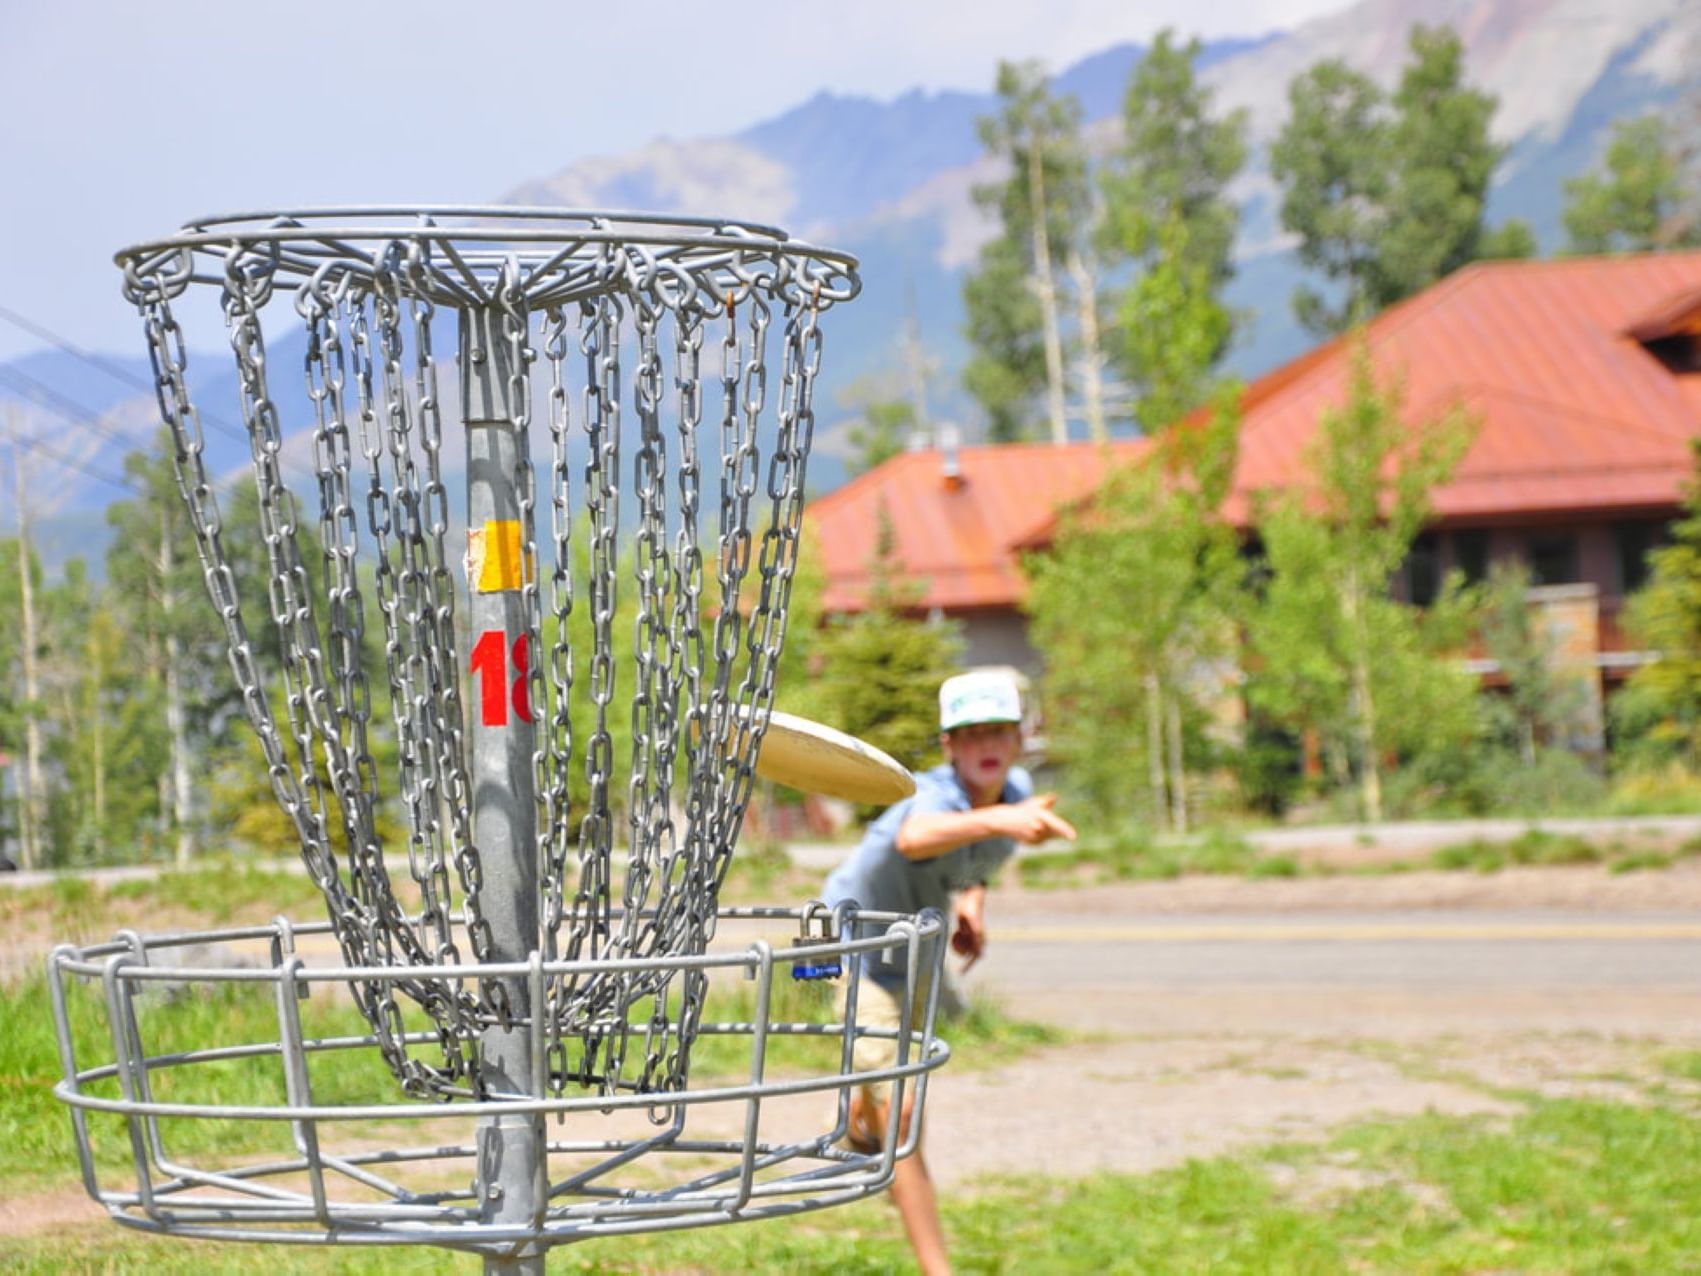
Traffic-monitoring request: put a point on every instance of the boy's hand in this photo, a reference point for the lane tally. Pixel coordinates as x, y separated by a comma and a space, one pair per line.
1033, 821
968, 935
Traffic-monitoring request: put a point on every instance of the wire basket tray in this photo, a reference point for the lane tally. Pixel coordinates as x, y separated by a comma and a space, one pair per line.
310, 1145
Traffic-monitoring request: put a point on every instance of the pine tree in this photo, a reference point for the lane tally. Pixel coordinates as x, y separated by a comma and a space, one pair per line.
1443, 160
1331, 161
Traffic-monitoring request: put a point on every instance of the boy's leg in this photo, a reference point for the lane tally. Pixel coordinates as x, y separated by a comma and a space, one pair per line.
917, 1205
870, 1109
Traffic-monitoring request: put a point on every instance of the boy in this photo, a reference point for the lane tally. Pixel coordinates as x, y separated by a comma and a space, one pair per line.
938, 849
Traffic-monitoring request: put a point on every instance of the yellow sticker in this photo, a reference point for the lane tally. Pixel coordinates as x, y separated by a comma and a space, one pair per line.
494, 560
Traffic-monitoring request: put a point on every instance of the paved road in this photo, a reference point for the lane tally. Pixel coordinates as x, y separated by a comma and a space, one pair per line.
1384, 973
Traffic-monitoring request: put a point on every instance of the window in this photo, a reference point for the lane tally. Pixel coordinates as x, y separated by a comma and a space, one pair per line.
1632, 541
1470, 555
1423, 570
1553, 560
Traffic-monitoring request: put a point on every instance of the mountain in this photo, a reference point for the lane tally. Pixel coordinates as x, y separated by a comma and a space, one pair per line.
892, 181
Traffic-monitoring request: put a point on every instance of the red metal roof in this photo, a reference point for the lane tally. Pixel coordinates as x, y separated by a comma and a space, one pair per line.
1574, 415
955, 537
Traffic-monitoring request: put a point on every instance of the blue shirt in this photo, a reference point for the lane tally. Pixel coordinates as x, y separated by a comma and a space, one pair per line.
877, 876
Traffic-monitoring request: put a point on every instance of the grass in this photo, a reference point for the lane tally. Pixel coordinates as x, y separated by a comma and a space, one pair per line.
35, 1142
1135, 856
216, 891
1132, 857
35, 1139
1684, 1064
1568, 1186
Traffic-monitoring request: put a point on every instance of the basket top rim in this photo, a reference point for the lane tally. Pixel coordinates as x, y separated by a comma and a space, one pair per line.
491, 225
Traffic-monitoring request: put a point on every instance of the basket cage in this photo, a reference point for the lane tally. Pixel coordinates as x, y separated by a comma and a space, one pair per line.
231, 1138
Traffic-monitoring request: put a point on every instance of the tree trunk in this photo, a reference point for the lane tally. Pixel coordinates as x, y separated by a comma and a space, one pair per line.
1155, 746
1177, 767
1364, 707
98, 749
176, 714
1045, 287
30, 821
1092, 360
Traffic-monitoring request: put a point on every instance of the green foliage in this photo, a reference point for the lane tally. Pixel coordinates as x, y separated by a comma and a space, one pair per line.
1658, 714
1386, 195
1566, 1185
1175, 329
1332, 652
1632, 201
881, 433
1167, 211
1132, 854
1006, 366
1443, 162
1512, 240
1012, 299
1132, 608
883, 419
1545, 706
1330, 160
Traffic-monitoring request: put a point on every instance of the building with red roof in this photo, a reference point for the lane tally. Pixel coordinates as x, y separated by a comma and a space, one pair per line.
1583, 376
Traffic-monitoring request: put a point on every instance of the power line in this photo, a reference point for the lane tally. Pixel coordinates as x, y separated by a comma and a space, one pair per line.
123, 375
46, 396
49, 398
75, 463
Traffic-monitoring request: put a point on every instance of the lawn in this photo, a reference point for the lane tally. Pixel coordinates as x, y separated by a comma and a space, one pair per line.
1567, 1186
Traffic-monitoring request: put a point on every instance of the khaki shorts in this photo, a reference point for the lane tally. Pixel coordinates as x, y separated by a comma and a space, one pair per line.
878, 1006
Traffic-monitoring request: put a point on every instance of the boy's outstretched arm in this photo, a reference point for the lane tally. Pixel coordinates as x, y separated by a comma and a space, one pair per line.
1030, 822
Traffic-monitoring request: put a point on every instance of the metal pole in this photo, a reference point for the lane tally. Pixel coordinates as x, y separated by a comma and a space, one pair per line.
512, 1162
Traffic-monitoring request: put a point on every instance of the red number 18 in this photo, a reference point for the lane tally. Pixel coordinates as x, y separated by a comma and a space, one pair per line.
490, 667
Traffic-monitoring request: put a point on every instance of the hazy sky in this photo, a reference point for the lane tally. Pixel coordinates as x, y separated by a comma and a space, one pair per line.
119, 120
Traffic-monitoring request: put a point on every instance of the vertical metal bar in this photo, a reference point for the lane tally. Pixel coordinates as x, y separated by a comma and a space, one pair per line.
120, 1016
512, 1156
144, 1082
764, 955
934, 959
68, 1062
298, 1086
852, 974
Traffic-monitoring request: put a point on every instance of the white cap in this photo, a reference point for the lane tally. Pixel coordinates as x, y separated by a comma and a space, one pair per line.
971, 698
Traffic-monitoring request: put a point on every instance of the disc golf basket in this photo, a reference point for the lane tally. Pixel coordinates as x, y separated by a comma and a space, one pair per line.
532, 997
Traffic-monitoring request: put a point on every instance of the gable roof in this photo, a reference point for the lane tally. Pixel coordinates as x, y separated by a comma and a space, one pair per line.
1575, 415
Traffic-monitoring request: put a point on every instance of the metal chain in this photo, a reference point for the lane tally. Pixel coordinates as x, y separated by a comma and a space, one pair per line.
701, 691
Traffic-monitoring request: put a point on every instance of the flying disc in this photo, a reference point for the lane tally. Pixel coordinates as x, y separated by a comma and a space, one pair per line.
818, 759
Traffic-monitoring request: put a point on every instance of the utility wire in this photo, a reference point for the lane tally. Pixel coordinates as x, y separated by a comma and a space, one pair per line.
75, 412
75, 463
57, 403
113, 370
